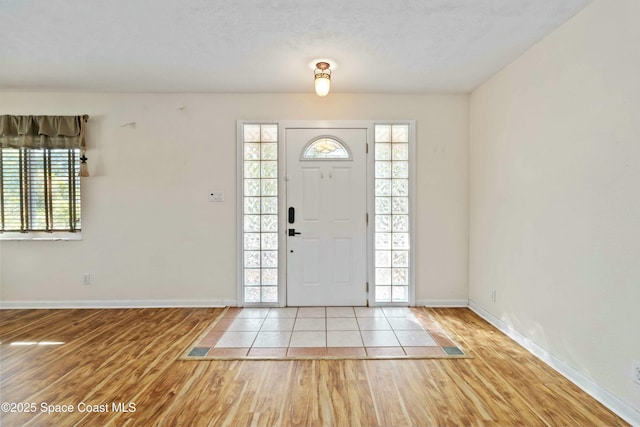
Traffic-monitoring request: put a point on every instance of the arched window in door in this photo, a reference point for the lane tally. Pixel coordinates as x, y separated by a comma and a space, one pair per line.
326, 147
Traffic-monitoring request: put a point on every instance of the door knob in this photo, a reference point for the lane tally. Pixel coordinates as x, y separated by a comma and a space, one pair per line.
293, 232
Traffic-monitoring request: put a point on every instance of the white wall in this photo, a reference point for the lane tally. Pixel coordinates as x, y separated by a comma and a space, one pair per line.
555, 196
149, 233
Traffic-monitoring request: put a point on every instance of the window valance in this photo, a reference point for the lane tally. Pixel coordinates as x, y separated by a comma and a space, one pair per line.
43, 131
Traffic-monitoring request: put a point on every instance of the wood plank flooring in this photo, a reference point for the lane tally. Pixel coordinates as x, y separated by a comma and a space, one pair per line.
111, 358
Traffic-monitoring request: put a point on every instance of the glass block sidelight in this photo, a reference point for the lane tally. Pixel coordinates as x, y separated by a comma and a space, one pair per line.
260, 213
392, 243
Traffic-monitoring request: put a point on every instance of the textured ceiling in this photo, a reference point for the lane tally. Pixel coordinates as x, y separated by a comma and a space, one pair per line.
266, 45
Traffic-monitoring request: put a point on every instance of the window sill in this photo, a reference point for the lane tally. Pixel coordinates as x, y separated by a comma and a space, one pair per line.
40, 236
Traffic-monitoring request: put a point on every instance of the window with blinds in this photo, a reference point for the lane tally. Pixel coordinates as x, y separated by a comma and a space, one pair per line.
40, 190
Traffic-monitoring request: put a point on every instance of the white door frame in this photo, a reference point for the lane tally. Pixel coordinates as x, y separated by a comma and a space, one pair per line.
368, 125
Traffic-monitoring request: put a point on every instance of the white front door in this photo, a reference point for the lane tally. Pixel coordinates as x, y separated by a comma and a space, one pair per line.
326, 204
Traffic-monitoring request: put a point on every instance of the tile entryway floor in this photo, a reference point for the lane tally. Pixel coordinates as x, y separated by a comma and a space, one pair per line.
325, 331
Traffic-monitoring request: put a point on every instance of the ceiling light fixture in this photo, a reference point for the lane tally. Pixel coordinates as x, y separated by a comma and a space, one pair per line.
322, 75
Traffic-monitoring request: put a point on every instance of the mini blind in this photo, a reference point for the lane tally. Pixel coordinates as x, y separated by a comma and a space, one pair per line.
40, 190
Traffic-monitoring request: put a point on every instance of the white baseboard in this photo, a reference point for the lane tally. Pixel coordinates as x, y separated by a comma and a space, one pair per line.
443, 302
7, 305
622, 409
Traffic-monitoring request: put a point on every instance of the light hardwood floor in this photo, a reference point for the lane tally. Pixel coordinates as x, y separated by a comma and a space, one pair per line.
121, 356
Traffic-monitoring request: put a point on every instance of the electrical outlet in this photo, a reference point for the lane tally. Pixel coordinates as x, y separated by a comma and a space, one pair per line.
86, 279
636, 371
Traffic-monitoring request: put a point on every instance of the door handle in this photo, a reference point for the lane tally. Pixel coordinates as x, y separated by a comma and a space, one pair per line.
292, 215
292, 232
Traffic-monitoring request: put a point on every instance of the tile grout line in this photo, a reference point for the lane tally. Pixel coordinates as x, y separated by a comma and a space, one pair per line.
394, 333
